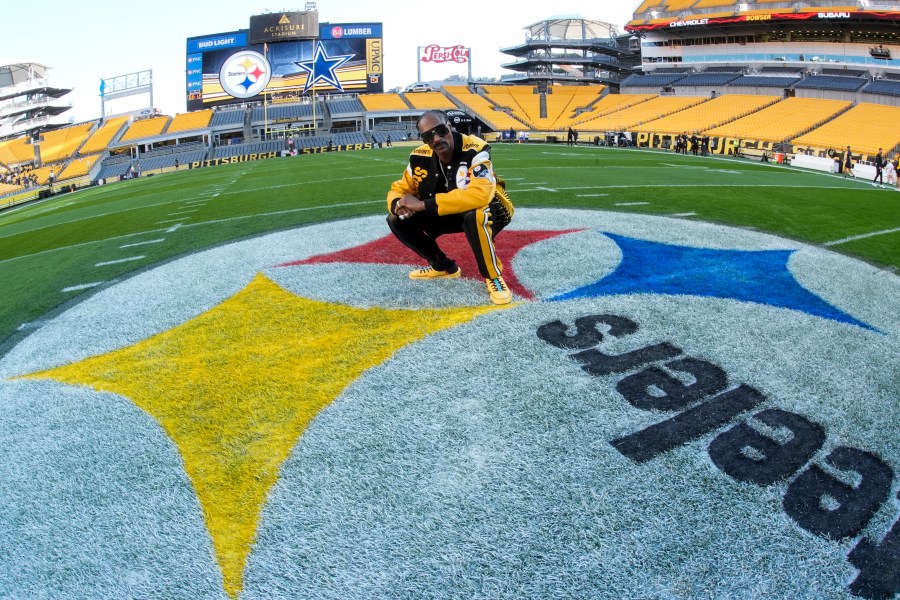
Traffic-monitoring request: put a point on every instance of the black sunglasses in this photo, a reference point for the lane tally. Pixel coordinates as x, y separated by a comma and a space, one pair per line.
440, 131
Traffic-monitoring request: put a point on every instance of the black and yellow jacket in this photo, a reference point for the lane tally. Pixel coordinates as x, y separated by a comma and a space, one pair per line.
467, 183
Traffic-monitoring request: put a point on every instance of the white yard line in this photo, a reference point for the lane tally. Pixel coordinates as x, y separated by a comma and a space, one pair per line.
119, 261
853, 238
157, 241
631, 203
687, 214
677, 185
200, 224
83, 286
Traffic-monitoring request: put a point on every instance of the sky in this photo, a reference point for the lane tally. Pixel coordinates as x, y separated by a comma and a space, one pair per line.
86, 41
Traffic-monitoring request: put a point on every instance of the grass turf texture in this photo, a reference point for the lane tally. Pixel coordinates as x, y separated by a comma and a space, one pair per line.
416, 486
56, 244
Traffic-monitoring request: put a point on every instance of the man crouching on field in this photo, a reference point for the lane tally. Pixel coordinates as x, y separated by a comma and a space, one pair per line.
449, 186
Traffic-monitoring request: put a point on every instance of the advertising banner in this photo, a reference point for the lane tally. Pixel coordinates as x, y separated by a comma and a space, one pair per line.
283, 27
225, 73
810, 16
441, 54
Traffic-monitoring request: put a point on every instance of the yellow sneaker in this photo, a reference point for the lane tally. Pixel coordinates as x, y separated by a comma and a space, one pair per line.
498, 290
430, 272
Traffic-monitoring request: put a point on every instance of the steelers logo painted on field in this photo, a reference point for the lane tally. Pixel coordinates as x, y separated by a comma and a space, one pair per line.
667, 409
245, 74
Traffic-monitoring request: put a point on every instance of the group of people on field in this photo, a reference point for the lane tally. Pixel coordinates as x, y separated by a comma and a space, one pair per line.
885, 168
694, 144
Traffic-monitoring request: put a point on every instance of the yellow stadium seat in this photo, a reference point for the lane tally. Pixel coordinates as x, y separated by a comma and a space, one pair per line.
79, 167
383, 102
430, 101
190, 121
781, 121
145, 128
16, 151
640, 112
60, 144
484, 110
708, 114
865, 127
100, 139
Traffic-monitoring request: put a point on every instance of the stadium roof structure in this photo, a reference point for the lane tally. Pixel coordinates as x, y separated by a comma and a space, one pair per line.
15, 72
572, 49
571, 27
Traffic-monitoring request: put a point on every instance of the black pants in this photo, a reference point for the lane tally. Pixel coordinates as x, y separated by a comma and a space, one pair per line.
419, 233
879, 175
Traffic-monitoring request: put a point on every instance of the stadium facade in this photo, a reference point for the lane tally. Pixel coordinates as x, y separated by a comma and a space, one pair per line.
754, 34
29, 101
756, 78
571, 50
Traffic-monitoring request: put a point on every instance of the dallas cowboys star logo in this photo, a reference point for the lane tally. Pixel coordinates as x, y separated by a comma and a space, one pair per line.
760, 276
322, 68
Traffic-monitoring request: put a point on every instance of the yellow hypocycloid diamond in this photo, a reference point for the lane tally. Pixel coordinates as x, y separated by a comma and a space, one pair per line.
237, 386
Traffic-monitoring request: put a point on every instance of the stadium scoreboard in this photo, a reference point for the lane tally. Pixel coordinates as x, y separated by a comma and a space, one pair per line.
281, 57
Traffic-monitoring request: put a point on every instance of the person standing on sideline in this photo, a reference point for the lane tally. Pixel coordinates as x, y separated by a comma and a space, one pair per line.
879, 168
896, 162
848, 163
890, 172
449, 186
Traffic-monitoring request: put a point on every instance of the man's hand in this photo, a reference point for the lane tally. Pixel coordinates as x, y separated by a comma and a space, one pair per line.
407, 206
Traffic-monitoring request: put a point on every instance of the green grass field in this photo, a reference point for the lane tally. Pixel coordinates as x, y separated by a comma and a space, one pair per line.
54, 250
289, 416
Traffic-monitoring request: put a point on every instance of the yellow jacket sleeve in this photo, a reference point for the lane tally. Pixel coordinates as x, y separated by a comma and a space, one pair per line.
407, 184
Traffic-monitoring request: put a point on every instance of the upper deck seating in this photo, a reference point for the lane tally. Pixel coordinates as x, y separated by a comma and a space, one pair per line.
145, 128
383, 102
227, 117
190, 121
831, 82
429, 101
764, 81
883, 87
101, 138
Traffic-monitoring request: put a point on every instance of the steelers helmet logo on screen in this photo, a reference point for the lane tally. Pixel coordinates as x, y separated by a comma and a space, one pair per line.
245, 74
